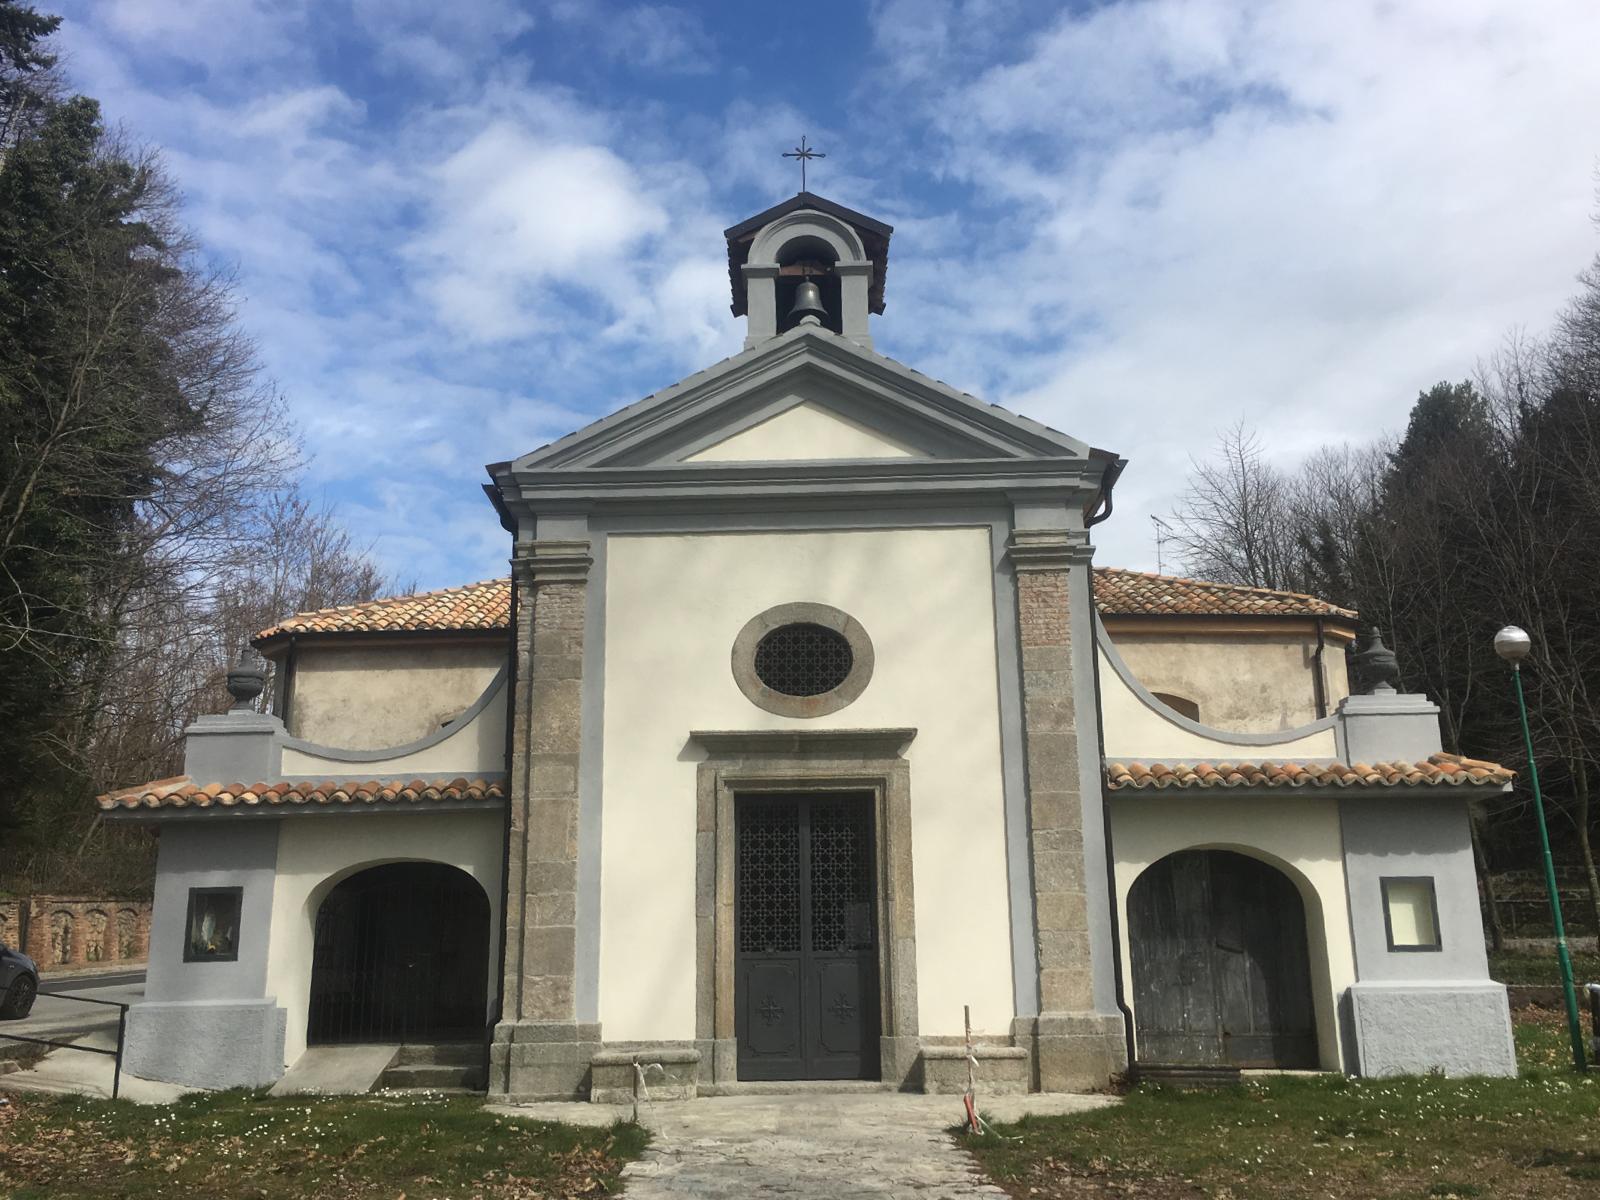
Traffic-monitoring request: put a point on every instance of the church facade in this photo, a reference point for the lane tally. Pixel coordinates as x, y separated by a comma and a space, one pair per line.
803, 734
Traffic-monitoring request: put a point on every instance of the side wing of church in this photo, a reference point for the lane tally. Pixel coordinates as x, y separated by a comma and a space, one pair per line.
803, 733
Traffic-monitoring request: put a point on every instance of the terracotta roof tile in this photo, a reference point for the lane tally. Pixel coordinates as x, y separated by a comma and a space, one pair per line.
183, 792
1119, 592
487, 606
1437, 770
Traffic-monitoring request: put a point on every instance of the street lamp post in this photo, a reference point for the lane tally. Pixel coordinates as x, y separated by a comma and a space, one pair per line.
1512, 644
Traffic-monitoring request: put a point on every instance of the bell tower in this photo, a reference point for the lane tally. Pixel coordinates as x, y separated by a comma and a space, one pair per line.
808, 261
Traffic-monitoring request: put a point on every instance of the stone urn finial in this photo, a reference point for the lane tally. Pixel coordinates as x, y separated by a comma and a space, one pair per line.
1376, 663
246, 681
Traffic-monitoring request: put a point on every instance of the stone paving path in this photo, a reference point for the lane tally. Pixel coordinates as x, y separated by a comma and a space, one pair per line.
828, 1146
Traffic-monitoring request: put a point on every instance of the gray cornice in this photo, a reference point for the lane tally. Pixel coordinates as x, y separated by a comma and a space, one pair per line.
552, 561
699, 482
830, 743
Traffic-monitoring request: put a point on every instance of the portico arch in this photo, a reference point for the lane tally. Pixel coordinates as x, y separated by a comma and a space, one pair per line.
400, 953
1221, 971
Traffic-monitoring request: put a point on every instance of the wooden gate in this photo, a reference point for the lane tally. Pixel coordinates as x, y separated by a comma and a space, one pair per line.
1220, 970
806, 959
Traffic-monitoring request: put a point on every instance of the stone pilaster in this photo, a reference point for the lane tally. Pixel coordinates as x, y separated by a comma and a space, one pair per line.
1077, 1047
539, 1048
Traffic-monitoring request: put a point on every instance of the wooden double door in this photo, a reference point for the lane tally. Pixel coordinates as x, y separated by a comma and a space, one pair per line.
806, 937
1220, 970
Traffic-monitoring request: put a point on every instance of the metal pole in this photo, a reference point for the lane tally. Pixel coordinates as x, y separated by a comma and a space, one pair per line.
116, 1071
1574, 1022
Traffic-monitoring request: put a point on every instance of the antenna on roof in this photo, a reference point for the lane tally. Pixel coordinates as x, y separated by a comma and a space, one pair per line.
1163, 532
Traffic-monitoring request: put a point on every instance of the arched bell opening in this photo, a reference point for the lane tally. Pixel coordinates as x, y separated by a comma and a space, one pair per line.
809, 260
401, 954
1221, 969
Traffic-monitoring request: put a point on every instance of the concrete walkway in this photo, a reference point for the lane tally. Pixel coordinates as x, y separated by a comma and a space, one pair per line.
827, 1146
74, 1071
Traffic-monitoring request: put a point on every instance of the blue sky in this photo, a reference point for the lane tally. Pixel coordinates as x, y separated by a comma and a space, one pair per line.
461, 230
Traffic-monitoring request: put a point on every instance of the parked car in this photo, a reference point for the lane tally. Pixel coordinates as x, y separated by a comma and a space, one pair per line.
19, 983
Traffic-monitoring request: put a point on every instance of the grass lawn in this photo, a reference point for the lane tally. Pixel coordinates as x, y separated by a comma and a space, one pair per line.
1326, 1136
1521, 966
241, 1144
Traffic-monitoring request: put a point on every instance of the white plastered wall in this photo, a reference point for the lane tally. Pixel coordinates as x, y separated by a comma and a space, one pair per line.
317, 852
1298, 835
1136, 733
807, 431
674, 604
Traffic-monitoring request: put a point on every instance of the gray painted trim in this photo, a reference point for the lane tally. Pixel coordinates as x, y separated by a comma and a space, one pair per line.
748, 642
282, 812
658, 415
339, 754
1109, 649
591, 787
843, 482
1013, 777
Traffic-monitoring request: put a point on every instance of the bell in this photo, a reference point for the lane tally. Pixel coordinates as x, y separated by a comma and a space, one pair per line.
807, 304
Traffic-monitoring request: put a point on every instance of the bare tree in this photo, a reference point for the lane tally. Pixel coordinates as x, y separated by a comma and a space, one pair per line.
1233, 523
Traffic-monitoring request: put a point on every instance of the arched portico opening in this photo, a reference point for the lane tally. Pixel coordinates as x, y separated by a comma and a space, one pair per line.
1221, 972
401, 954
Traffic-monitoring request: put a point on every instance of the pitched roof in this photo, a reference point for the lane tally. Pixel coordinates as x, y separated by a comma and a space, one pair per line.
1438, 770
182, 792
1122, 592
487, 606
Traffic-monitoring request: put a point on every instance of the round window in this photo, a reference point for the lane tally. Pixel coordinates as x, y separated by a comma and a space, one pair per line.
803, 659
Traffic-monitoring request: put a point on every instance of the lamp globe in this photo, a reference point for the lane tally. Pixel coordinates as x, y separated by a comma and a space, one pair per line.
1513, 644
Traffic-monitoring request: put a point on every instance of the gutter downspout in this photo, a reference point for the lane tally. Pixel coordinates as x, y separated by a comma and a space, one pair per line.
1111, 868
1319, 684
1102, 511
505, 841
288, 679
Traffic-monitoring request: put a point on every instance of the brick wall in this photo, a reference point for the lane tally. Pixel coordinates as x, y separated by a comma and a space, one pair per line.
72, 931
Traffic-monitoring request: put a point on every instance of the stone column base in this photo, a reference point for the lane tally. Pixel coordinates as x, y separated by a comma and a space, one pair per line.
1074, 1051
541, 1060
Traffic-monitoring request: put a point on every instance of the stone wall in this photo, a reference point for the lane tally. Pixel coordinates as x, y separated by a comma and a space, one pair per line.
71, 931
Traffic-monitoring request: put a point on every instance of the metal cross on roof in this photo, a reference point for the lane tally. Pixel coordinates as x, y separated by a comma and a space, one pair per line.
805, 154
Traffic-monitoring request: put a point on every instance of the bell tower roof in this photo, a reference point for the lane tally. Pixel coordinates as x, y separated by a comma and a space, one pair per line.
874, 236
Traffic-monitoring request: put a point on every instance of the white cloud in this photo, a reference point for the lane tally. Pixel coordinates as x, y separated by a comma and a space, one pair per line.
1298, 212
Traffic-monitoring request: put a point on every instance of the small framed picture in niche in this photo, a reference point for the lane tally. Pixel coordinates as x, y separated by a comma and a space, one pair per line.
212, 930
1411, 913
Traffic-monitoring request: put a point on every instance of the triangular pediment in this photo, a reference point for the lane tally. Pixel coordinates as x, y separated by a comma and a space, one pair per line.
806, 431
807, 395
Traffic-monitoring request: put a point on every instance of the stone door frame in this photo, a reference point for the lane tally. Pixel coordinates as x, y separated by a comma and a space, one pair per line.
869, 761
